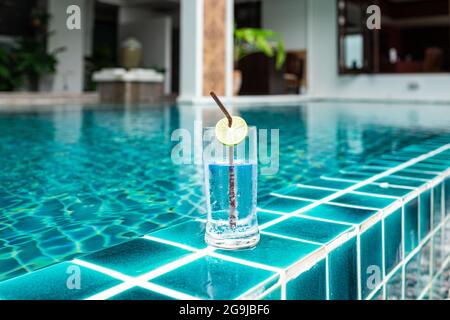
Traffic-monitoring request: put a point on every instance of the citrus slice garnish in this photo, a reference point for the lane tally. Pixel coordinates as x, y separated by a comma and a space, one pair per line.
233, 135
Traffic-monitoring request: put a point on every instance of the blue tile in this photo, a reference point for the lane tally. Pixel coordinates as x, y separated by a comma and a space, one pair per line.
264, 217
136, 257
309, 285
425, 264
436, 161
440, 159
411, 225
431, 161
386, 191
213, 278
307, 229
426, 295
428, 167
348, 176
393, 157
414, 175
393, 240
394, 286
438, 251
58, 282
446, 232
283, 205
371, 259
364, 201
283, 190
425, 213
368, 171
412, 278
190, 233
268, 251
447, 196
440, 289
437, 205
342, 269
273, 295
139, 293
378, 295
385, 163
331, 184
340, 213
307, 193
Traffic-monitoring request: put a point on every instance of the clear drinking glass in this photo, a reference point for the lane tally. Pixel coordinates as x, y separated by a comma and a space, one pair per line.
231, 188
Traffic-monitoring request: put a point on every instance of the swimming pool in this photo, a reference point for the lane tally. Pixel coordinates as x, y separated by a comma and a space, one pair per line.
74, 180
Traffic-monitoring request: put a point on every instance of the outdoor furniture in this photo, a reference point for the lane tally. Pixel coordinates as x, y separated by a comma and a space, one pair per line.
293, 75
259, 75
132, 86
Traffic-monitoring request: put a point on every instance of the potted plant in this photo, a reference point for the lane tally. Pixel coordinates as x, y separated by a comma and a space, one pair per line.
34, 61
10, 78
252, 40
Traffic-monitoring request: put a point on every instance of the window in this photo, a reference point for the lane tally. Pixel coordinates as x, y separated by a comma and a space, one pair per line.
414, 37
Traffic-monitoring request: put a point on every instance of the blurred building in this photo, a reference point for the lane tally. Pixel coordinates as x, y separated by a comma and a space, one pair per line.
330, 50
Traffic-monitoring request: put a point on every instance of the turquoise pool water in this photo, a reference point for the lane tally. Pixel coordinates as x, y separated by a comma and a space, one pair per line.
75, 180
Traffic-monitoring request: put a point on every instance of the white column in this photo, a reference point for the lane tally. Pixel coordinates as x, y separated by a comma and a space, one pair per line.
322, 48
191, 49
70, 69
229, 49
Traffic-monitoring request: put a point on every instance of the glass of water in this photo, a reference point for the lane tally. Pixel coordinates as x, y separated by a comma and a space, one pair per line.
231, 188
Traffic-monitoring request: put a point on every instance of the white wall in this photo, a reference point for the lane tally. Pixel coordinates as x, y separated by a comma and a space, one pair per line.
287, 17
155, 34
191, 49
323, 78
70, 70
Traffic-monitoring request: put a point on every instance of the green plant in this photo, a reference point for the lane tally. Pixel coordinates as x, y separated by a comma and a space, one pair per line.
9, 77
28, 57
251, 40
34, 60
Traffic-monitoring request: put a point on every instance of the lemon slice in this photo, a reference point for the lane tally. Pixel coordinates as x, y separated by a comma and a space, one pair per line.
235, 134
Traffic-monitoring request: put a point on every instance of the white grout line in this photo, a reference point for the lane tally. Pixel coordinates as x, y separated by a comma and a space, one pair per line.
376, 195
315, 187
359, 184
334, 203
142, 279
107, 271
283, 290
434, 278
171, 243
166, 291
410, 178
291, 238
403, 251
354, 206
291, 197
383, 250
250, 293
133, 281
108, 293
327, 279
245, 262
300, 215
269, 291
173, 265
376, 183
410, 256
271, 211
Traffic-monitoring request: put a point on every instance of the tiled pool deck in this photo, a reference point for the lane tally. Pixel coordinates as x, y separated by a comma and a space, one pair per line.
376, 231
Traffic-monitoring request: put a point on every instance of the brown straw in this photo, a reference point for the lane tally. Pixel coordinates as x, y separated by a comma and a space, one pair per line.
222, 107
231, 182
